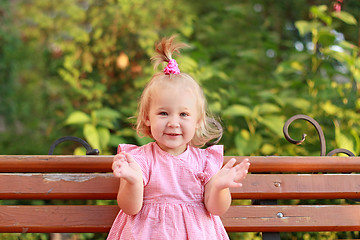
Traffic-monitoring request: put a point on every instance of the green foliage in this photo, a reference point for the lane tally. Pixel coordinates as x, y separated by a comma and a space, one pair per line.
331, 72
96, 128
78, 68
95, 57
27, 236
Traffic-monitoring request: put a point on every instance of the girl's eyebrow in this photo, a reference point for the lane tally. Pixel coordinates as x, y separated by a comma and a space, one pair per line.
161, 108
186, 109
181, 109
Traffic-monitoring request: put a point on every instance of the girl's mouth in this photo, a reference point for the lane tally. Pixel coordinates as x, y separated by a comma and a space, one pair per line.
173, 134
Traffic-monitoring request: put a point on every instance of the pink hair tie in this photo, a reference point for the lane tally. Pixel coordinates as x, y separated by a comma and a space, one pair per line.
172, 68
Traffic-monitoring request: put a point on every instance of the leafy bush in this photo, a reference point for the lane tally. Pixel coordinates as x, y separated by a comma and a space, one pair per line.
78, 68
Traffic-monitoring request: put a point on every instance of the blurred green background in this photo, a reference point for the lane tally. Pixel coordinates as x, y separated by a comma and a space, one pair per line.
77, 67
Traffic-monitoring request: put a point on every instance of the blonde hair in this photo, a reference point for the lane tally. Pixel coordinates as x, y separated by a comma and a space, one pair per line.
208, 128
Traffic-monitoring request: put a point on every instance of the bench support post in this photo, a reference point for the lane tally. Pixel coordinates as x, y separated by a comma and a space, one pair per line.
268, 235
271, 236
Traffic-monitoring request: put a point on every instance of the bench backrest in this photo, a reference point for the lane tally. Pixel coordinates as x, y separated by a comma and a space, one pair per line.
68, 178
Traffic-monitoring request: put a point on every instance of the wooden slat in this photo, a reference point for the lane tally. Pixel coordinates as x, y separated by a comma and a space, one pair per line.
287, 164
102, 163
301, 218
105, 186
299, 186
58, 186
42, 219
238, 218
55, 163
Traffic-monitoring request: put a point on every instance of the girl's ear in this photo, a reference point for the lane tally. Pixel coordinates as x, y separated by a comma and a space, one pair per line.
147, 123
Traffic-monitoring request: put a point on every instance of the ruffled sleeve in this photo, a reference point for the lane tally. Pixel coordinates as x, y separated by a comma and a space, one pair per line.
139, 155
213, 162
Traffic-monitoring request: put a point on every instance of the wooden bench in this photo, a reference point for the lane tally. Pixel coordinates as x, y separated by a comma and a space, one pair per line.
61, 177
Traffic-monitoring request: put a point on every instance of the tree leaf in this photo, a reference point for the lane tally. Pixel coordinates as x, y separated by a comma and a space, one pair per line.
344, 140
247, 143
107, 113
104, 137
299, 103
92, 136
274, 123
267, 108
303, 27
345, 17
268, 149
80, 151
237, 110
355, 135
114, 141
77, 117
326, 38
330, 108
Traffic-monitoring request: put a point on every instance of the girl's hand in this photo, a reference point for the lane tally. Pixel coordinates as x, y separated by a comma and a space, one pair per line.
124, 166
231, 176
217, 195
131, 189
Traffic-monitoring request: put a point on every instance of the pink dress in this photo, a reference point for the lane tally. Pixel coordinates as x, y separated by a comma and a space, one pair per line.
173, 206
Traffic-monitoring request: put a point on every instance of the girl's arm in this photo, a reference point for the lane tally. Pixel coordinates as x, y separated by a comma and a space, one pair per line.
131, 189
217, 194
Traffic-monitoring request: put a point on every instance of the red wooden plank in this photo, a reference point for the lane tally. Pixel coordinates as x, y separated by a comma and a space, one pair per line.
55, 163
58, 186
46, 219
105, 186
299, 186
301, 164
300, 218
238, 218
102, 163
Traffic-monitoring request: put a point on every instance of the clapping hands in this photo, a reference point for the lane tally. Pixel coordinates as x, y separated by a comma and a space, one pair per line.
124, 166
231, 175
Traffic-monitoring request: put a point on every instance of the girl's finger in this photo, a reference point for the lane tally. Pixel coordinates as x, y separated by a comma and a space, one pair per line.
230, 163
115, 166
245, 164
245, 161
129, 157
118, 157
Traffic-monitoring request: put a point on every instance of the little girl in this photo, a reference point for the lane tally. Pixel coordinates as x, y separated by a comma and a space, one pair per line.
170, 188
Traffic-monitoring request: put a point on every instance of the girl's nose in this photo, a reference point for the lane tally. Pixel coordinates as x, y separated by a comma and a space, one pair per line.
173, 122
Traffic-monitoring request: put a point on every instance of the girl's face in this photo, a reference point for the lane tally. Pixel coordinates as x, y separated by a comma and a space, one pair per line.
173, 118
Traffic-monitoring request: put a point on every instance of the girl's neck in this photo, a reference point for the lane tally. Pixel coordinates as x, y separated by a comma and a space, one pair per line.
173, 152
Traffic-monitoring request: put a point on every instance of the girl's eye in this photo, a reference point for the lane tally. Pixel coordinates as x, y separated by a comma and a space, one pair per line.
184, 114
163, 113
